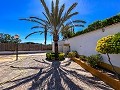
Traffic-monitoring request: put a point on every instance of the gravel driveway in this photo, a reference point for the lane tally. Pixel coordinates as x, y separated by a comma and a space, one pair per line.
35, 73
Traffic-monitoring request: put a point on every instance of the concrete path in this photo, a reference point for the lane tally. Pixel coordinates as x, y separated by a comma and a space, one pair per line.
35, 73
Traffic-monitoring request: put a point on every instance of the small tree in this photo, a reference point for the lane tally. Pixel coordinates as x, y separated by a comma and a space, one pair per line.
41, 24
67, 33
7, 38
109, 45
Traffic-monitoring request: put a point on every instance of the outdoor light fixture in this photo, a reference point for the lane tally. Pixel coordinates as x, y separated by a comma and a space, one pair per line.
16, 37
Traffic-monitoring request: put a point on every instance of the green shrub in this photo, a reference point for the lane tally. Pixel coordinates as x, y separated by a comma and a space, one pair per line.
83, 57
94, 60
71, 54
76, 53
51, 56
61, 56
48, 56
109, 44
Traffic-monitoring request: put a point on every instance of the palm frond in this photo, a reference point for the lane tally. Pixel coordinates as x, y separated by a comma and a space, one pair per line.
46, 8
56, 11
31, 20
61, 12
52, 5
64, 18
33, 33
37, 27
75, 21
39, 19
69, 16
77, 25
46, 17
71, 8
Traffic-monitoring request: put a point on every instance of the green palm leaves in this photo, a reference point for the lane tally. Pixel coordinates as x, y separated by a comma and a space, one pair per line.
57, 16
57, 20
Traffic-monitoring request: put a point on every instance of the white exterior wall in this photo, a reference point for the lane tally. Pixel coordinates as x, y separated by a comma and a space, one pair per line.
85, 44
60, 46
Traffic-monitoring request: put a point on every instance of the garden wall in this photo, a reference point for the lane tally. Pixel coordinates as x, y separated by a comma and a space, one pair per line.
24, 47
85, 44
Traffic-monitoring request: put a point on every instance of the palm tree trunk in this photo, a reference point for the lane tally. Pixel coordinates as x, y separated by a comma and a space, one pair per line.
45, 35
55, 39
113, 66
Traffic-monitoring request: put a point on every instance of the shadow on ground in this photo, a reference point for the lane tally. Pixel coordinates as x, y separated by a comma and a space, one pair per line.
56, 77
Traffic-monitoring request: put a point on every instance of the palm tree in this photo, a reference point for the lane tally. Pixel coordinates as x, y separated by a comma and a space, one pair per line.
56, 21
42, 24
68, 32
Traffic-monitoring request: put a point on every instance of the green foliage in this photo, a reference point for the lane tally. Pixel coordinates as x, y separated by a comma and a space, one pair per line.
67, 34
116, 43
71, 54
48, 56
51, 56
99, 24
61, 56
83, 57
109, 44
76, 53
7, 38
104, 45
56, 20
94, 60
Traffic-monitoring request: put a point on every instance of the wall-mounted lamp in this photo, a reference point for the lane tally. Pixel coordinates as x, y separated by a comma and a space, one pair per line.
103, 29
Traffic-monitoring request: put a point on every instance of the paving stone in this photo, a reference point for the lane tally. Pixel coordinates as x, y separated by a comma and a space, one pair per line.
35, 73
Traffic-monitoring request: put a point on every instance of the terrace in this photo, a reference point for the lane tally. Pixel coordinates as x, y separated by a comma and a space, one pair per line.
77, 47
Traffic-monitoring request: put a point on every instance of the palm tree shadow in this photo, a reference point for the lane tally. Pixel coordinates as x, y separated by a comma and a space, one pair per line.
54, 77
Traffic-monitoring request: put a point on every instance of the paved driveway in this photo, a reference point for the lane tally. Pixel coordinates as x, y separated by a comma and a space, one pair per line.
35, 73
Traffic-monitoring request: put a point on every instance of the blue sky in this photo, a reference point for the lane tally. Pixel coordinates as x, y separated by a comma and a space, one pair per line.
12, 11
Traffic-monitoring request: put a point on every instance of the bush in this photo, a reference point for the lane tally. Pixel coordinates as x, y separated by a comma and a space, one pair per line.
76, 53
109, 44
48, 56
83, 57
99, 24
61, 56
94, 60
71, 54
51, 56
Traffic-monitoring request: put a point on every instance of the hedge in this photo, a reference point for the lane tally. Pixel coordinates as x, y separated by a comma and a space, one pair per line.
99, 24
